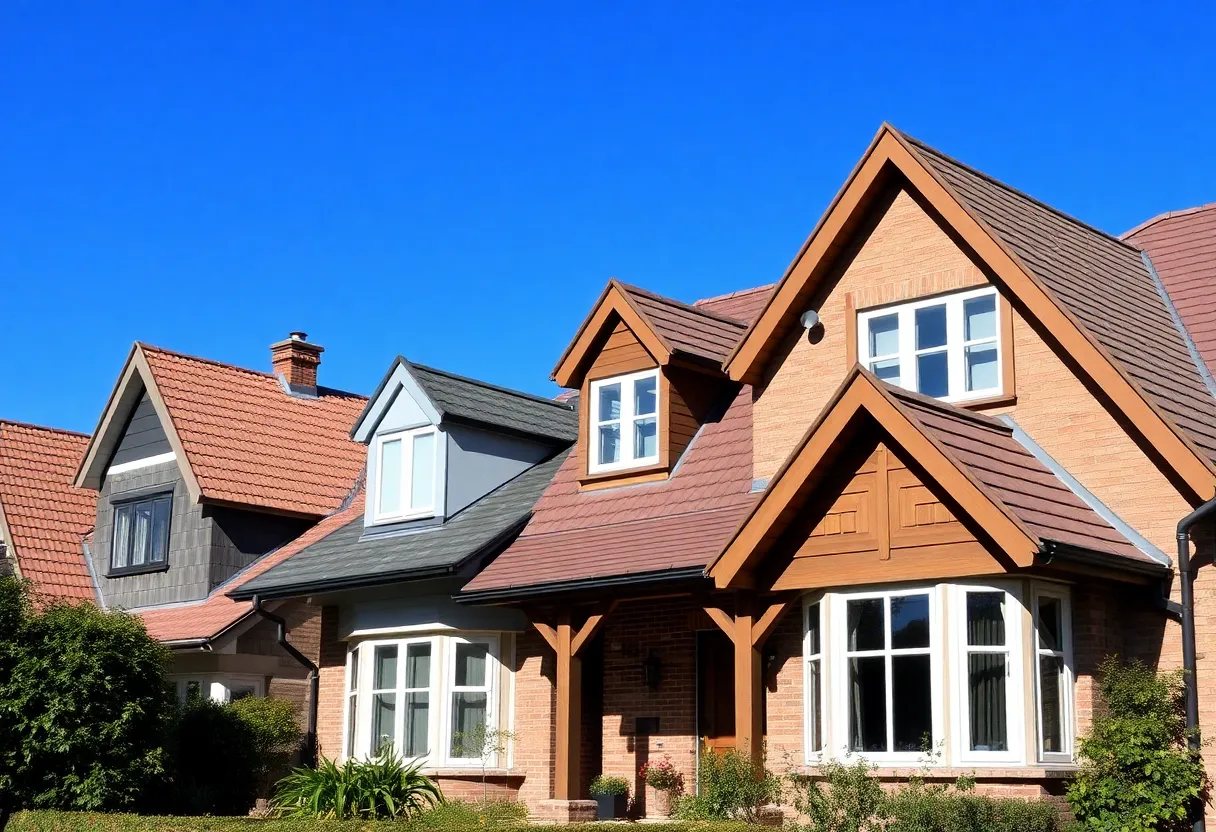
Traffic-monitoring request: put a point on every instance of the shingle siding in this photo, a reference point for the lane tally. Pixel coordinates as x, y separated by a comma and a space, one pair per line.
144, 437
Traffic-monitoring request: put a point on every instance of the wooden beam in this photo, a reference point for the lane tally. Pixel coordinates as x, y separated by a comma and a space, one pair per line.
749, 727
768, 621
723, 619
590, 627
547, 633
567, 743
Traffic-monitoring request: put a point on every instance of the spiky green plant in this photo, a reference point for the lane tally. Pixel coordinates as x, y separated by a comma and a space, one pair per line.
383, 787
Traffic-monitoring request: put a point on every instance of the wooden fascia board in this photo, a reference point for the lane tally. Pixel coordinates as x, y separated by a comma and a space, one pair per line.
614, 299
85, 478
166, 421
740, 363
862, 393
1106, 373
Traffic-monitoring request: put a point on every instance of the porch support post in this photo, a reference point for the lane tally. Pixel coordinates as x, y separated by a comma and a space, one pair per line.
569, 713
749, 729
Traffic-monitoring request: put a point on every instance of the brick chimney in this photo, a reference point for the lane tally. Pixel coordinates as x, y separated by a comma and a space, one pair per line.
295, 361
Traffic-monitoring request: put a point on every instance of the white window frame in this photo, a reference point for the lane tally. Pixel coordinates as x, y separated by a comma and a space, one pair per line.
442, 688
350, 703
840, 655
629, 416
217, 686
1067, 729
956, 343
814, 605
407, 438
1015, 674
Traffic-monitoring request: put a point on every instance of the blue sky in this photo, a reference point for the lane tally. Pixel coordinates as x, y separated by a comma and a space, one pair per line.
456, 181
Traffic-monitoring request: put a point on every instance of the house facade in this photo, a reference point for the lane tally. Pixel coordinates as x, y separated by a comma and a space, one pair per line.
897, 506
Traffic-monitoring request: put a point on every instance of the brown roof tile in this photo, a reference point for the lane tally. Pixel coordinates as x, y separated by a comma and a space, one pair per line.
47, 517
1182, 245
698, 332
1103, 282
248, 442
744, 305
212, 616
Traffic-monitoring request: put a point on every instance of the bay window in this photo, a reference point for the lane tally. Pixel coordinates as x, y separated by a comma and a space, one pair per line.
428, 697
624, 422
939, 672
948, 347
405, 474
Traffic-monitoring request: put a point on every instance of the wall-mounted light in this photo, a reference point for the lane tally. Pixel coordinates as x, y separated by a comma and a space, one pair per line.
809, 319
652, 671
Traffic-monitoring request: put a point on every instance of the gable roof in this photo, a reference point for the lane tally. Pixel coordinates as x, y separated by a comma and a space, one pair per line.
1182, 245
347, 558
1091, 291
1013, 496
239, 437
697, 337
44, 516
214, 616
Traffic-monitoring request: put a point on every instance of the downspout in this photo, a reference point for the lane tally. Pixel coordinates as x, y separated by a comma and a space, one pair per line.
1187, 586
314, 679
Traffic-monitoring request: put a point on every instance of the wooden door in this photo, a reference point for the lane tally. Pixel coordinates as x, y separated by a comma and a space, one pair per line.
716, 689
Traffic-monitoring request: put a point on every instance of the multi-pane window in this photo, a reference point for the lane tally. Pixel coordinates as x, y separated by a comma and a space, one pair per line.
947, 347
429, 697
405, 474
989, 653
1053, 681
814, 677
888, 649
141, 533
624, 422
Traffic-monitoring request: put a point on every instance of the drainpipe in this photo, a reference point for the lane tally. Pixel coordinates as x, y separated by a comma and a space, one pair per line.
1187, 585
314, 680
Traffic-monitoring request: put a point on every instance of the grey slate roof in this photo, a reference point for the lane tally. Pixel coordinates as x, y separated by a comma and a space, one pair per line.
343, 560
469, 400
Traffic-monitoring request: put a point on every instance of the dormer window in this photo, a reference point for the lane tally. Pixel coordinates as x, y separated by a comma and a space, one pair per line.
948, 347
624, 417
405, 474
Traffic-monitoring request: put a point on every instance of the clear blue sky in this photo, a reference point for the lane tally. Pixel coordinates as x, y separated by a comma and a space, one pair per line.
456, 181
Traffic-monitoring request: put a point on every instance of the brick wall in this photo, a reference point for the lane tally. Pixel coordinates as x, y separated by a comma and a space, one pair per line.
535, 705
332, 665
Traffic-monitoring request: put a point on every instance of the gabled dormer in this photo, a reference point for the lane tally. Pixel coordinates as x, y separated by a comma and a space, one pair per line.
437, 442
649, 374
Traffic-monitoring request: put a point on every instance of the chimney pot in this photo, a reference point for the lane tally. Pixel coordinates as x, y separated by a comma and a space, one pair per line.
295, 360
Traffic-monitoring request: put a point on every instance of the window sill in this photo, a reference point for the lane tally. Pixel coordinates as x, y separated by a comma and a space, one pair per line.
499, 773
997, 771
1001, 400
128, 571
624, 476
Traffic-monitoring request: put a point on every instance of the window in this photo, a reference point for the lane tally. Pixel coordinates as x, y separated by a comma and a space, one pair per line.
141, 534
405, 474
946, 347
1053, 672
434, 705
814, 677
624, 422
217, 687
886, 671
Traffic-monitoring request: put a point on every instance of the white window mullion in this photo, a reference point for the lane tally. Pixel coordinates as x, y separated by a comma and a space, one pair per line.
954, 344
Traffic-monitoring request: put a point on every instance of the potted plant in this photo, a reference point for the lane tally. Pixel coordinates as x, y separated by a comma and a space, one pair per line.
611, 797
661, 775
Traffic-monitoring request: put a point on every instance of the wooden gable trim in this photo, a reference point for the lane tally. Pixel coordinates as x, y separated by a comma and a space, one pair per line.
861, 392
889, 151
614, 300
89, 474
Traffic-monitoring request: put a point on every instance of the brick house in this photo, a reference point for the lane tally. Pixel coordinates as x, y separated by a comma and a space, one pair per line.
911, 495
199, 476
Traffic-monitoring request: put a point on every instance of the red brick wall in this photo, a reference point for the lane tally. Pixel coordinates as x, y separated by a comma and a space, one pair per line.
535, 704
332, 666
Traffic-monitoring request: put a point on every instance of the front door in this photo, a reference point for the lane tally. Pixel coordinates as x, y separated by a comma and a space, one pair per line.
715, 689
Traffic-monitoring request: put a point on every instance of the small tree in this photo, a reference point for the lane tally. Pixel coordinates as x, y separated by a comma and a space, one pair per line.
1137, 771
484, 744
83, 704
274, 729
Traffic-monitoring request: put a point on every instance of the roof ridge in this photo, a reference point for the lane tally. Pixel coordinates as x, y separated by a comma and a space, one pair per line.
47, 428
1167, 215
491, 386
735, 294
1017, 191
687, 306
213, 362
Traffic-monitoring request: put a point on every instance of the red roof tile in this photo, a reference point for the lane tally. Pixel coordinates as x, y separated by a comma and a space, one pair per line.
695, 331
249, 442
1182, 246
46, 516
212, 616
743, 306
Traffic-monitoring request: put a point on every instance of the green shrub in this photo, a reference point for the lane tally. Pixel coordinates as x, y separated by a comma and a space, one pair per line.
731, 786
843, 798
212, 761
274, 730
601, 785
458, 815
1137, 772
385, 787
83, 704
919, 807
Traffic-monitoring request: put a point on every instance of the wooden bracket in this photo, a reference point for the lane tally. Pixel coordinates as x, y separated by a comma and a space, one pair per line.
724, 620
768, 621
590, 627
547, 633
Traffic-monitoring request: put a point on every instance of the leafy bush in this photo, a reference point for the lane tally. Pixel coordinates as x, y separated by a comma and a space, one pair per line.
601, 785
83, 704
274, 730
731, 787
385, 787
213, 764
844, 798
919, 807
1137, 772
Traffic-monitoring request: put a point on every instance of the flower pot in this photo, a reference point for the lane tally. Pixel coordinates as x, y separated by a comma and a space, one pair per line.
610, 806
662, 805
